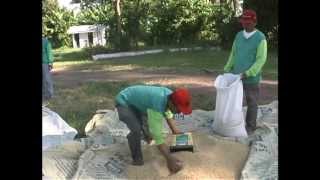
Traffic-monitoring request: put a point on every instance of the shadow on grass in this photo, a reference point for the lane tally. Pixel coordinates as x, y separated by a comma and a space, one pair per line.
78, 105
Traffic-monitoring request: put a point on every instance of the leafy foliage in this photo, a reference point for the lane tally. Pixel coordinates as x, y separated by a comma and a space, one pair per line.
160, 23
267, 14
55, 23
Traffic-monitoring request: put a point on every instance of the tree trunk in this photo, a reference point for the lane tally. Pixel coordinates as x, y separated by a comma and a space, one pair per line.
236, 4
137, 21
118, 17
118, 11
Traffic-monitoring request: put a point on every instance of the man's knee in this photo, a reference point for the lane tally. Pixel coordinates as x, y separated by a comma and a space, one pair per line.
252, 99
252, 103
134, 134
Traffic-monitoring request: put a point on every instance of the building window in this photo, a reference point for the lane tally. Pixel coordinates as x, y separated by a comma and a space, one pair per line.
90, 37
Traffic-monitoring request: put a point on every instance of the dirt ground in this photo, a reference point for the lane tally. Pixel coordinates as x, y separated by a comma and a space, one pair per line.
200, 83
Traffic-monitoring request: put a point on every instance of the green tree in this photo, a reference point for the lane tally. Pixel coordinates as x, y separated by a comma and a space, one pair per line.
161, 22
55, 23
227, 24
134, 22
95, 14
267, 13
184, 21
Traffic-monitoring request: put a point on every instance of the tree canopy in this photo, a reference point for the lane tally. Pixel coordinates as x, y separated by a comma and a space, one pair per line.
159, 22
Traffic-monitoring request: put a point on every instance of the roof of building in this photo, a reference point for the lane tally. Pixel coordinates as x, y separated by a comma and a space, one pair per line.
85, 29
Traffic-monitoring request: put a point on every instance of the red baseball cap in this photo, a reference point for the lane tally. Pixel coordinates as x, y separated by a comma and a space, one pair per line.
248, 16
182, 100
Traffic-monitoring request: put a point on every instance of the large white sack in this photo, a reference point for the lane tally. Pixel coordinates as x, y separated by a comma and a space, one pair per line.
61, 162
229, 119
262, 162
55, 130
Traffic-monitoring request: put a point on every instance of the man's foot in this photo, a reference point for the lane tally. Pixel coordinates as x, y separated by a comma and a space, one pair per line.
137, 162
250, 130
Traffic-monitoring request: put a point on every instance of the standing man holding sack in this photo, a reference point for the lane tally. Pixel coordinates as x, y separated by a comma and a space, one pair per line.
248, 56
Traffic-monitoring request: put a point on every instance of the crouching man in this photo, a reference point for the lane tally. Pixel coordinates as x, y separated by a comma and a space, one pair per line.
143, 108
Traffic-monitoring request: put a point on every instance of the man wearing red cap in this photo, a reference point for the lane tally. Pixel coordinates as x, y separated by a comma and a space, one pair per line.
247, 57
143, 109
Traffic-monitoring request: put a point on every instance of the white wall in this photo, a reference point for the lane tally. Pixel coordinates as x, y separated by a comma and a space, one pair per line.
98, 39
83, 39
74, 41
95, 38
103, 36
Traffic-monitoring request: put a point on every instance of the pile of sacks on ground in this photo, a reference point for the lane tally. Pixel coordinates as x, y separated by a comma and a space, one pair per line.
104, 154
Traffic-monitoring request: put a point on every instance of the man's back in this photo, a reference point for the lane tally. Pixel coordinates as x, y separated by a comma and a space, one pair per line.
144, 97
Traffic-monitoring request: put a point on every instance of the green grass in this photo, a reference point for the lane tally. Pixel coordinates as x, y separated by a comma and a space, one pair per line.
191, 61
68, 54
78, 105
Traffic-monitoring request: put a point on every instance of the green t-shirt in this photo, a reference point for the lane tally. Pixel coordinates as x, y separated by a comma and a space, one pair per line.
151, 100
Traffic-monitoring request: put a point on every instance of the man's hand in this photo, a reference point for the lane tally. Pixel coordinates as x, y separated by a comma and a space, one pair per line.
174, 164
243, 76
172, 125
149, 140
176, 131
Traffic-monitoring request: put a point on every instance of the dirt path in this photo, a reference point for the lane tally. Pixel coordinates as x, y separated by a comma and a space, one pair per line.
199, 83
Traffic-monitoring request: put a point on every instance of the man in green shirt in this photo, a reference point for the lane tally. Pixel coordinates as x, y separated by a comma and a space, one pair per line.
247, 57
143, 109
47, 61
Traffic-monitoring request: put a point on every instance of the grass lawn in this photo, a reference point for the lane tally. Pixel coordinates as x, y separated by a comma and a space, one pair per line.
77, 105
178, 61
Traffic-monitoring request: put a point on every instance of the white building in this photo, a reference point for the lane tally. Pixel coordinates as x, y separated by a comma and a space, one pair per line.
87, 35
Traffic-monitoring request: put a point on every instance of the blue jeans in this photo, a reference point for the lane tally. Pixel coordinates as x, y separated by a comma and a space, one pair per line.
47, 84
137, 124
251, 92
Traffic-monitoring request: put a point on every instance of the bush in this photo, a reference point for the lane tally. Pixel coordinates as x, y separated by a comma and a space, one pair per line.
163, 23
90, 51
227, 26
56, 22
